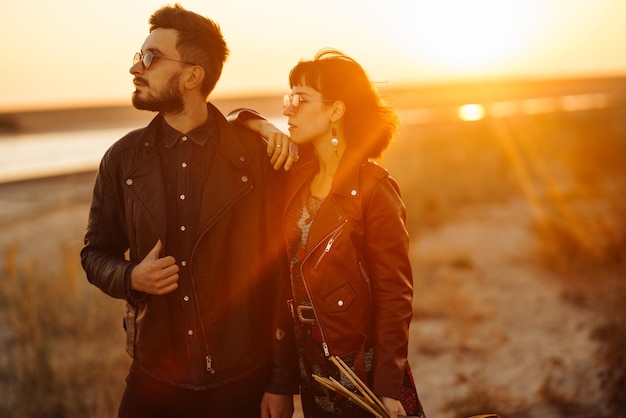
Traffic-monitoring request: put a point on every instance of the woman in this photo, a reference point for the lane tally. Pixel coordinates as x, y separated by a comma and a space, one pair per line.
343, 225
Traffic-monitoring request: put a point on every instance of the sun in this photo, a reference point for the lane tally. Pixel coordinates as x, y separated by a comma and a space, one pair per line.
466, 35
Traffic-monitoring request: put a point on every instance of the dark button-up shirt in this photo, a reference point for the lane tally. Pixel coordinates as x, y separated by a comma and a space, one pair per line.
186, 161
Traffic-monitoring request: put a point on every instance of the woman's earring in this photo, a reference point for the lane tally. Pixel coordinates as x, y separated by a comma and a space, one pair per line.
334, 142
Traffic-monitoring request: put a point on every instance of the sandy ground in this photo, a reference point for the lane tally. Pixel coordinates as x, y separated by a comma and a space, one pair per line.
489, 321
508, 333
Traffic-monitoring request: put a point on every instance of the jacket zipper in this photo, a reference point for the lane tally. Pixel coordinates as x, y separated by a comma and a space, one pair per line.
209, 365
208, 358
331, 239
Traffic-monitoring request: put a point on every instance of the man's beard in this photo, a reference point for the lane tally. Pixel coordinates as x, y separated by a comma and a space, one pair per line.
170, 100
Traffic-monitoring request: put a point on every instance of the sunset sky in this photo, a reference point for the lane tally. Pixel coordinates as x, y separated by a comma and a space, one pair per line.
66, 52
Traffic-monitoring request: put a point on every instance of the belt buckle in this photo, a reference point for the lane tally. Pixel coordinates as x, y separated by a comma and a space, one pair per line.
300, 309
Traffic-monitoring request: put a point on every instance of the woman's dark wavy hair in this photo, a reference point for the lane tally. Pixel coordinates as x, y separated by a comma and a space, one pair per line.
200, 41
369, 123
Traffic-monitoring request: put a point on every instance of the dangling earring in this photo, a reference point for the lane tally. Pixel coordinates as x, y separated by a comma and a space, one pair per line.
334, 142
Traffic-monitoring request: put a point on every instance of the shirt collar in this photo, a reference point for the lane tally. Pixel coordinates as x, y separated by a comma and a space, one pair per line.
199, 135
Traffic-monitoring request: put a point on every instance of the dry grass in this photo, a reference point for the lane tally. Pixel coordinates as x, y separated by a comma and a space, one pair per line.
581, 232
569, 168
61, 344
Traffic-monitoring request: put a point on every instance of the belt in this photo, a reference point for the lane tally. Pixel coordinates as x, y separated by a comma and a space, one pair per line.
304, 313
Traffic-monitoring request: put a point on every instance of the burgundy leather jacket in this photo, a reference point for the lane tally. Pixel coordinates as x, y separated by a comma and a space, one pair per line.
357, 269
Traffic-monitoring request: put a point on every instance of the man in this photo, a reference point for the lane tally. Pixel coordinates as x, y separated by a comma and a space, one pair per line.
182, 226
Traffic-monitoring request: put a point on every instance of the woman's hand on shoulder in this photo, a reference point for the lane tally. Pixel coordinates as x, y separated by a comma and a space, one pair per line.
280, 149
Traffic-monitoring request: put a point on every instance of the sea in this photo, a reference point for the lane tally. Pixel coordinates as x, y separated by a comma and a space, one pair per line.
39, 155
45, 148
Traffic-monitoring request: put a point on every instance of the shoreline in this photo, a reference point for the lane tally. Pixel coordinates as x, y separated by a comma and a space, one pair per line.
27, 199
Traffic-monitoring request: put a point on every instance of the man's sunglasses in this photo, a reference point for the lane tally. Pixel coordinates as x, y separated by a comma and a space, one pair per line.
147, 58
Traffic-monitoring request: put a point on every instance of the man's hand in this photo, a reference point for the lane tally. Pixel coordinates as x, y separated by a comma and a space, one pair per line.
154, 275
280, 149
276, 406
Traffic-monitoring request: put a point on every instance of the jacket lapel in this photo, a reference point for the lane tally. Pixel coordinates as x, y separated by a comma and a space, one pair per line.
147, 175
229, 179
331, 213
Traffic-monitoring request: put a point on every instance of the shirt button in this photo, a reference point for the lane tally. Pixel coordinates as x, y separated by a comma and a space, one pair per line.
353, 192
242, 158
129, 182
184, 165
182, 197
186, 298
244, 179
182, 228
184, 138
183, 263
340, 302
190, 332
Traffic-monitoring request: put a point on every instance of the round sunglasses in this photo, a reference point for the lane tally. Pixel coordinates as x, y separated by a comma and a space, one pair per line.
147, 58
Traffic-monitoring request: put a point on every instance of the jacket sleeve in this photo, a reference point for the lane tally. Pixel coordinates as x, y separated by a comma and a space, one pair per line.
242, 114
390, 274
283, 362
105, 242
285, 372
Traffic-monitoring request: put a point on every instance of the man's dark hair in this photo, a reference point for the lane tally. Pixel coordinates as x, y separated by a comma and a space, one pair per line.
200, 41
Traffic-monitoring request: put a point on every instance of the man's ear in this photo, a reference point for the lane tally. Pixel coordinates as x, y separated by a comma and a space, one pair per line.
194, 77
339, 109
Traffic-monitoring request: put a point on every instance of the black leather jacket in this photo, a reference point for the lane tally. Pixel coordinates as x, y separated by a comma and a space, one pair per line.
237, 267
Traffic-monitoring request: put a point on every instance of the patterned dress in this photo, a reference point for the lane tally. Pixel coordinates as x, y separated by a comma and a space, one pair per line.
317, 400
